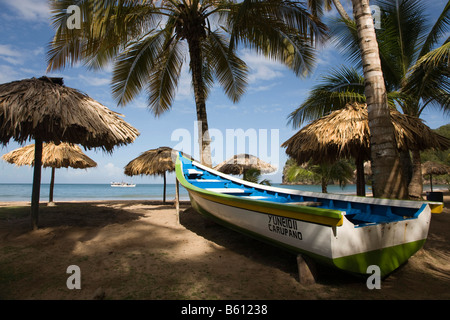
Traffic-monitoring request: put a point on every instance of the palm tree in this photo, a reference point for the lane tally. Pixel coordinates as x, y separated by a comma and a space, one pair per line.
388, 181
388, 178
254, 175
340, 171
147, 40
416, 75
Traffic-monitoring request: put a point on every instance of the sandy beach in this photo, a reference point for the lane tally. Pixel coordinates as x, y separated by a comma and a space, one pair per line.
138, 250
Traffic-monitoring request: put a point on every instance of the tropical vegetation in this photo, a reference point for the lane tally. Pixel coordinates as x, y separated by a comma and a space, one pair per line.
414, 59
254, 175
149, 41
340, 172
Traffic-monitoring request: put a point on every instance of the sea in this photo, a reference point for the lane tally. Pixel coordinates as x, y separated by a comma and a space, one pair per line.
90, 192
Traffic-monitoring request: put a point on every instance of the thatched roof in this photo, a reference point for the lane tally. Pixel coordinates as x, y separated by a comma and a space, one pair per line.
431, 167
241, 162
47, 109
63, 155
345, 133
153, 162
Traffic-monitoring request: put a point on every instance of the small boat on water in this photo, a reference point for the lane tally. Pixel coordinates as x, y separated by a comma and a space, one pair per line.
348, 232
123, 184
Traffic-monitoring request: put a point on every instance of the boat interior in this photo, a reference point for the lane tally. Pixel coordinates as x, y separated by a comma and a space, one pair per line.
359, 213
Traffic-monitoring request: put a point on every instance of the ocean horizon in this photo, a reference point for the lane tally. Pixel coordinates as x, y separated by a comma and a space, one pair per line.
104, 191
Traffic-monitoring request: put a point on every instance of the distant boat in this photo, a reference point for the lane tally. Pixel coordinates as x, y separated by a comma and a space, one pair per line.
123, 184
347, 232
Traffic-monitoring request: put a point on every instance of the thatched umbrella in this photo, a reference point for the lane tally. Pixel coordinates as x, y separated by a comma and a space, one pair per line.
54, 156
430, 168
45, 110
345, 133
240, 163
154, 162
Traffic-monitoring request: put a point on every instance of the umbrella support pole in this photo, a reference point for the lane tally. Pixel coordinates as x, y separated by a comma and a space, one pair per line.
36, 183
360, 179
177, 200
52, 186
164, 194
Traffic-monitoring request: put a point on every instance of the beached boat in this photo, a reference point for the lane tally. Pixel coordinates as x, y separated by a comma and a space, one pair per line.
123, 184
347, 232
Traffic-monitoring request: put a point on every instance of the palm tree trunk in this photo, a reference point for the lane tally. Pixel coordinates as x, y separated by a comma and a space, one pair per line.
324, 182
36, 183
200, 100
341, 10
52, 186
415, 187
388, 179
360, 179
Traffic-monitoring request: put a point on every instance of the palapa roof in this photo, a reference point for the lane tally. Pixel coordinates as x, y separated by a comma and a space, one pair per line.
153, 162
47, 109
63, 155
345, 133
430, 167
241, 162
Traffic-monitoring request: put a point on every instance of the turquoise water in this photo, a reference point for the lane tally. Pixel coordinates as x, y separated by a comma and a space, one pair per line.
71, 192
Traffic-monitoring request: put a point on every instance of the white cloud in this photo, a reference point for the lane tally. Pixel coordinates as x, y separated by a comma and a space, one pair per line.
11, 55
264, 87
31, 10
111, 170
261, 69
17, 56
184, 88
8, 74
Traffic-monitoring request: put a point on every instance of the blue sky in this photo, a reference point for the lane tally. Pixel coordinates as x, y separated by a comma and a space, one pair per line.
273, 93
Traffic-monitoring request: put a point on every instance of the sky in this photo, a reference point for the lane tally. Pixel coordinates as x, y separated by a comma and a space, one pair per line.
261, 114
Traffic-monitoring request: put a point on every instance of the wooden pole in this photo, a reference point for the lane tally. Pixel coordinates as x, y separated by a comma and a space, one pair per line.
164, 193
36, 183
177, 200
360, 179
52, 185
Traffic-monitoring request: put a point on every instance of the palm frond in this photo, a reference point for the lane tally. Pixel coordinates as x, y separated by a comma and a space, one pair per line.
230, 71
336, 89
429, 80
345, 36
107, 26
281, 30
164, 78
403, 28
440, 28
133, 67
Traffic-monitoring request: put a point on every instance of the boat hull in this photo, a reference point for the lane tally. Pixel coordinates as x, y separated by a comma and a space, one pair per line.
387, 247
339, 242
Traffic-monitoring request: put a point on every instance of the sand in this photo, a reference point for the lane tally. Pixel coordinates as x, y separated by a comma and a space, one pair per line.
138, 250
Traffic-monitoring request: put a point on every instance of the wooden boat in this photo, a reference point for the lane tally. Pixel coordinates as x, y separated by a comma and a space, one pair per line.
123, 184
347, 232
